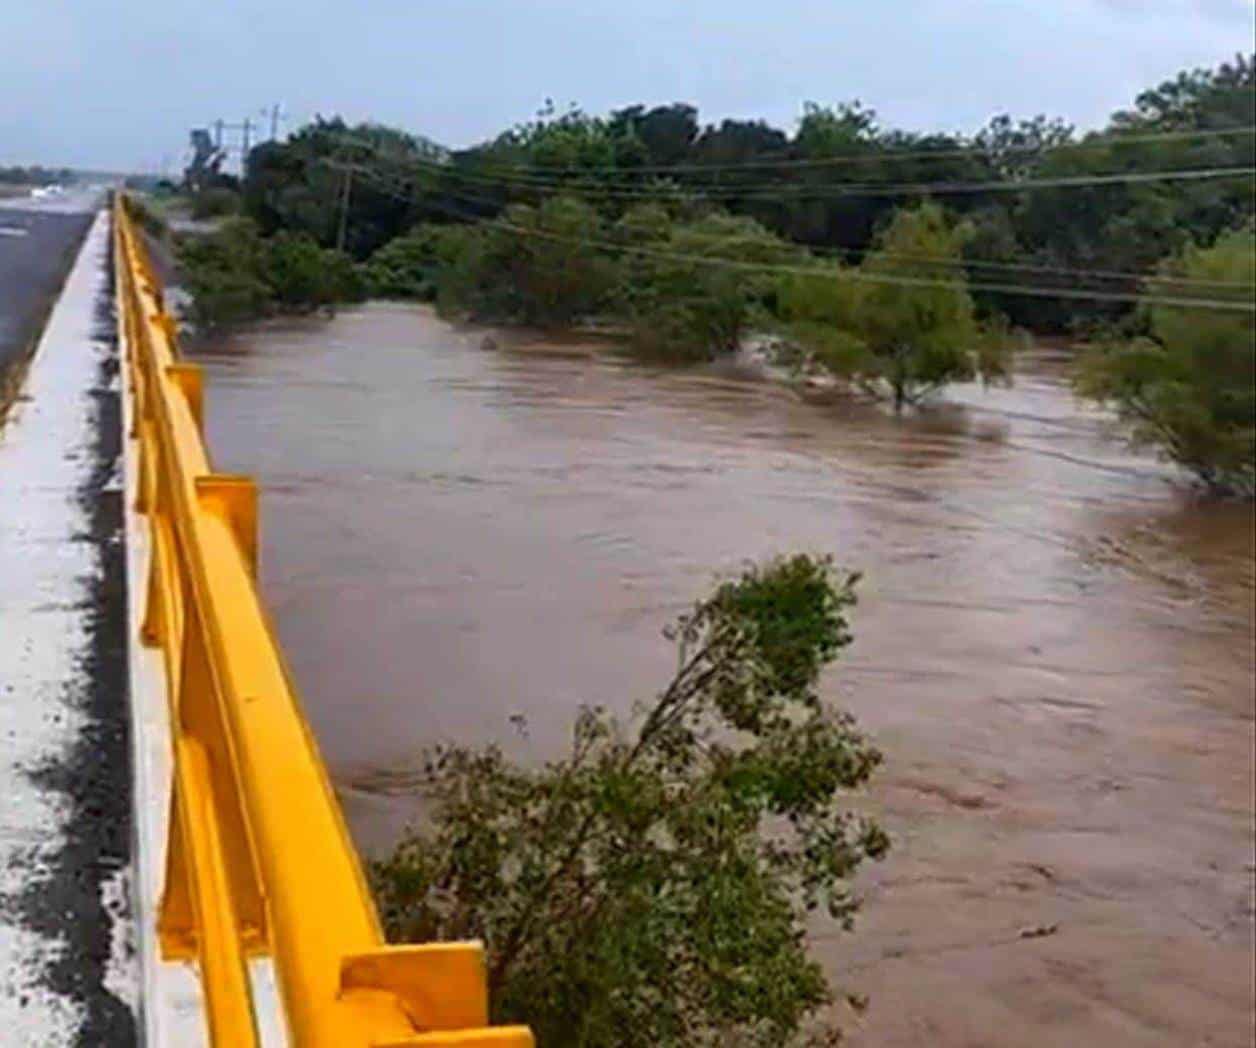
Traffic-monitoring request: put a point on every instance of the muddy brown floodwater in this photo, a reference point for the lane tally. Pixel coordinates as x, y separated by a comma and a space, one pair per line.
1054, 645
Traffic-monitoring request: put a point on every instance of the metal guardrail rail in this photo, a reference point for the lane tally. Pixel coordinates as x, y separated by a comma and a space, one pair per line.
258, 857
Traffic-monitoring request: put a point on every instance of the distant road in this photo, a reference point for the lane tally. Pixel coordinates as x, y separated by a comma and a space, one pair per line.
38, 238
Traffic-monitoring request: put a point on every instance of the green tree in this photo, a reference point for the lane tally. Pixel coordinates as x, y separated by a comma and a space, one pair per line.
302, 276
411, 265
650, 888
234, 274
215, 202
547, 266
697, 293
903, 323
222, 272
1188, 386
299, 184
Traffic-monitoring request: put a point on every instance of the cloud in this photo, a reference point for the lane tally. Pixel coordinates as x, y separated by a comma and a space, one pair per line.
118, 83
1227, 12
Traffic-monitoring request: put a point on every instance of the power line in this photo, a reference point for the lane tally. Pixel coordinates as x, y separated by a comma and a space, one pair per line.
976, 152
876, 278
851, 190
1007, 266
1029, 267
839, 191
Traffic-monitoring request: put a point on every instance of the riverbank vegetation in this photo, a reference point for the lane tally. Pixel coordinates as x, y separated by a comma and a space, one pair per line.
652, 887
234, 274
1186, 383
36, 175
891, 262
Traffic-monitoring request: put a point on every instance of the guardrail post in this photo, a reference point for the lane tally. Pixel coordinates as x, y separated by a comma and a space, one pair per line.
197, 715
441, 985
188, 379
234, 499
224, 970
153, 625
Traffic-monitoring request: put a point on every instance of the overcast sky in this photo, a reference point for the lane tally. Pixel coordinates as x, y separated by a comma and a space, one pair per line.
117, 83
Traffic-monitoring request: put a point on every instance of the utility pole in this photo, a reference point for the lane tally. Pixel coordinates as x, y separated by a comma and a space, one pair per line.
275, 112
246, 127
344, 209
218, 134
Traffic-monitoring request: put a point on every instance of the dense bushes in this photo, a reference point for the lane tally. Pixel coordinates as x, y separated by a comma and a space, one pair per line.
686, 290
411, 266
234, 274
546, 266
215, 202
695, 289
1187, 384
805, 184
147, 217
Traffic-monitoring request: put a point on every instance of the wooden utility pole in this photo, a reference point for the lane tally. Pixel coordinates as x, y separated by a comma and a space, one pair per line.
275, 111
344, 209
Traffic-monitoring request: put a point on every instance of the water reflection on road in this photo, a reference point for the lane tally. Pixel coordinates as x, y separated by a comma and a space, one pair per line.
1053, 644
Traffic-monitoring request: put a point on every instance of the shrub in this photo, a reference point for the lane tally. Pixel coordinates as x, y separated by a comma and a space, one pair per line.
1188, 386
650, 888
234, 274
147, 217
695, 294
223, 275
411, 266
215, 202
543, 265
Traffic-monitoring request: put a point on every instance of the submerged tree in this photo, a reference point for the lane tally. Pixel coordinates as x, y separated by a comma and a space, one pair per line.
650, 888
1188, 386
699, 286
903, 323
544, 265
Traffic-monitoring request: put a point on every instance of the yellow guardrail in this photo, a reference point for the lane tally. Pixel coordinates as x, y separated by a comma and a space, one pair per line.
258, 860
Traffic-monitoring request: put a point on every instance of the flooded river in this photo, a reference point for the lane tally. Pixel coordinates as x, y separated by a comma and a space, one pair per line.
1054, 646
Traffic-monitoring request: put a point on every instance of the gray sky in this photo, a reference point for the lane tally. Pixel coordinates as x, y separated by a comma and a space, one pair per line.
117, 83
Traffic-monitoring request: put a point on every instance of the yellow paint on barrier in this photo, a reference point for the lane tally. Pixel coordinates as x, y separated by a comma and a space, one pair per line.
259, 858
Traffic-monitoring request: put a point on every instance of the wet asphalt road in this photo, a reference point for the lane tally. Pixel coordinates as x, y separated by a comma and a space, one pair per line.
38, 240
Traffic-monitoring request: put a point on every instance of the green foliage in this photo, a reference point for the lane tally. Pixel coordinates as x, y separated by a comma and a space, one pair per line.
544, 266
566, 141
650, 888
221, 272
698, 296
1188, 387
1130, 227
234, 274
147, 217
36, 175
400, 181
829, 131
412, 265
215, 202
298, 184
302, 276
911, 331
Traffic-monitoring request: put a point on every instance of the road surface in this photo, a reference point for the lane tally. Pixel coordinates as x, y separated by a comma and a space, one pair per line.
38, 238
